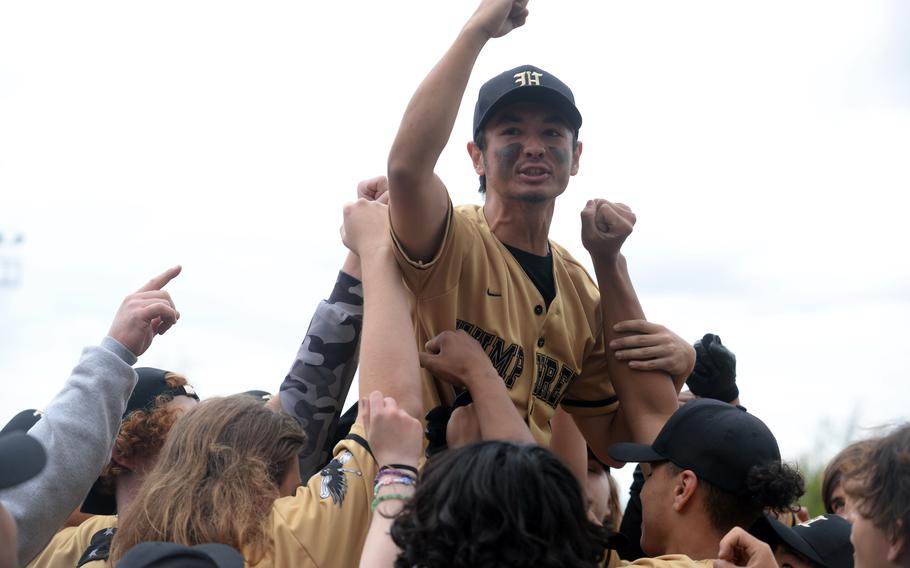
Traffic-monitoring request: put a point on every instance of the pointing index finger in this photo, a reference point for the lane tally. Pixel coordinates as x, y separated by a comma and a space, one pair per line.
158, 282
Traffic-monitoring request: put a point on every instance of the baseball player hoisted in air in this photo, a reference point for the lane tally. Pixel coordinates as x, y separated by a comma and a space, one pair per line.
492, 271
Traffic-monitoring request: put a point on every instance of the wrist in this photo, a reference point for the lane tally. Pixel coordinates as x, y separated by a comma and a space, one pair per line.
351, 266
475, 32
482, 380
407, 461
375, 253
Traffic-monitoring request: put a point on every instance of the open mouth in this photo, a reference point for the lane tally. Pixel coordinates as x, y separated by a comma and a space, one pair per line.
534, 173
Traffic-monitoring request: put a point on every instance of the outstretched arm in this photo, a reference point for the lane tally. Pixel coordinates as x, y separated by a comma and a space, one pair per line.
646, 398
388, 354
79, 425
395, 438
418, 198
317, 385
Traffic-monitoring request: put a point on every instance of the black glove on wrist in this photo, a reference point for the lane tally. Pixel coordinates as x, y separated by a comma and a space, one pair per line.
715, 370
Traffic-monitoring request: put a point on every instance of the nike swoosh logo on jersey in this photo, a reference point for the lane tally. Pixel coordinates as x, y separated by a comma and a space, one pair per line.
494, 294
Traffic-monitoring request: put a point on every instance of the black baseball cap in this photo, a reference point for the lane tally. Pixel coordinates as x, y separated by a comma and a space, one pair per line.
718, 441
524, 83
260, 395
23, 421
22, 458
150, 385
824, 540
169, 554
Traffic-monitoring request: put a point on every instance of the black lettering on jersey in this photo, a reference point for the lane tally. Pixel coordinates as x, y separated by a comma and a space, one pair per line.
508, 361
565, 377
518, 368
501, 356
483, 337
547, 368
461, 324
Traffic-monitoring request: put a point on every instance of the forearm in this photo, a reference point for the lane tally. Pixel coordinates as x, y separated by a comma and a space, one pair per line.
568, 443
388, 353
379, 551
317, 385
496, 413
647, 398
77, 429
430, 115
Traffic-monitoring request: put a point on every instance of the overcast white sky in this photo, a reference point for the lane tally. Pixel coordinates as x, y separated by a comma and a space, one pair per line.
763, 145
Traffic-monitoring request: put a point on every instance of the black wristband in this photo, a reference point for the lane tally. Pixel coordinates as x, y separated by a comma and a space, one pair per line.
399, 466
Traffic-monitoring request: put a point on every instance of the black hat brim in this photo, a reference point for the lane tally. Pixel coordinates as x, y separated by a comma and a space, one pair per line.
767, 526
537, 94
634, 453
171, 554
23, 458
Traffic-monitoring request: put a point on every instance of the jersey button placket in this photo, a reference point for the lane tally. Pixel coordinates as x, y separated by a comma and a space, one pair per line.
538, 309
540, 342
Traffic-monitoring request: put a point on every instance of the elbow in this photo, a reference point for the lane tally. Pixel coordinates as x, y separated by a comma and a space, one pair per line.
402, 174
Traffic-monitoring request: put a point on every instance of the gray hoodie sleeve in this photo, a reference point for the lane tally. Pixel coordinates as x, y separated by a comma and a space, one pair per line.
77, 429
319, 380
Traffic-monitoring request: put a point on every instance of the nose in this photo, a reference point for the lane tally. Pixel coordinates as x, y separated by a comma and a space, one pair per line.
534, 147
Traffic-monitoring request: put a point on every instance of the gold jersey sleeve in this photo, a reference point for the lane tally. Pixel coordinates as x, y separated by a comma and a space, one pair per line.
546, 356
324, 524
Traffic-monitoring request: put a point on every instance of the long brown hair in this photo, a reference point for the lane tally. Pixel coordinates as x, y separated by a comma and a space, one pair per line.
216, 479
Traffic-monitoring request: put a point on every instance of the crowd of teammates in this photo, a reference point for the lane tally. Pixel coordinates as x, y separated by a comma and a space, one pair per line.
498, 384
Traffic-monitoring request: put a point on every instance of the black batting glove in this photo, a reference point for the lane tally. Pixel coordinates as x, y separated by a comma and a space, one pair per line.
715, 370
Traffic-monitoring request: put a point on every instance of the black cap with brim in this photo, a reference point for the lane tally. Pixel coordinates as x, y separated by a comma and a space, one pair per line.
22, 456
260, 395
525, 83
166, 554
23, 421
637, 453
824, 540
829, 537
719, 442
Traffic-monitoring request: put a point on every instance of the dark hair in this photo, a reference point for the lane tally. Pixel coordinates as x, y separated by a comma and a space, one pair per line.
774, 487
480, 140
846, 460
880, 482
497, 504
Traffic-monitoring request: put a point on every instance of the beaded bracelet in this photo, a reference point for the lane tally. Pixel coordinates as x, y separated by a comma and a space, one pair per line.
410, 468
387, 497
386, 481
397, 472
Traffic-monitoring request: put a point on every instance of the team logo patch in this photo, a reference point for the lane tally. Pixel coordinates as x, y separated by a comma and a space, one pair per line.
99, 548
334, 484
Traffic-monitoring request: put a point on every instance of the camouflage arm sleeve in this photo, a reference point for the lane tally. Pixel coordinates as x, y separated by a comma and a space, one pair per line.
319, 380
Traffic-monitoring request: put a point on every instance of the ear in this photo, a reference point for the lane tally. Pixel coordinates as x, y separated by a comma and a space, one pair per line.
118, 458
477, 158
576, 156
898, 554
684, 488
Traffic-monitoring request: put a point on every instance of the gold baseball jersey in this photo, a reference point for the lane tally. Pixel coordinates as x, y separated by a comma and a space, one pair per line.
670, 561
545, 356
323, 525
